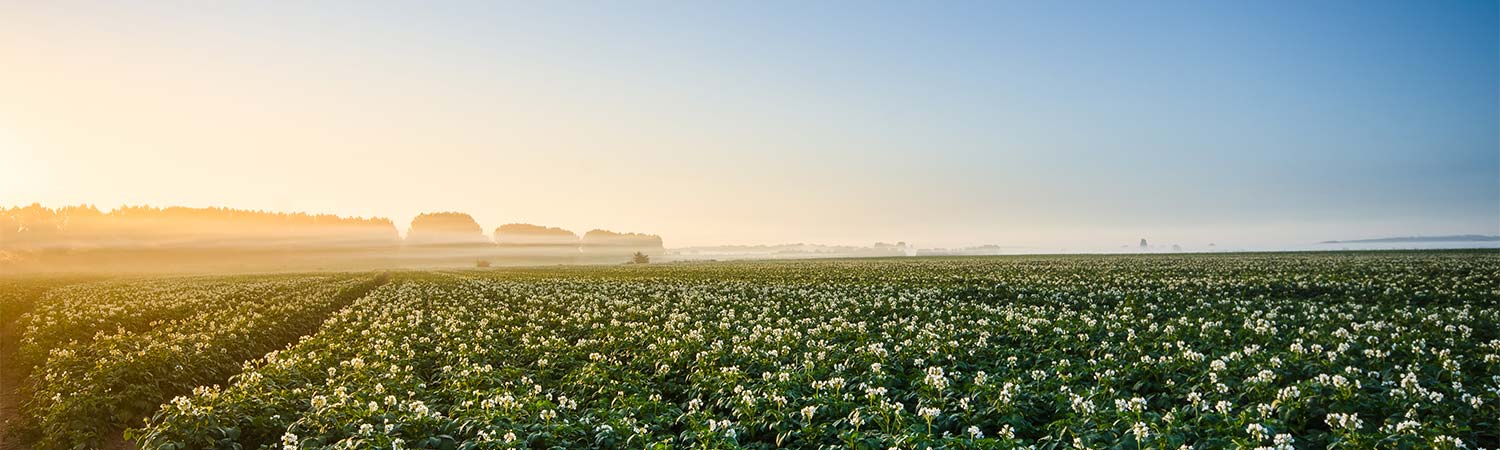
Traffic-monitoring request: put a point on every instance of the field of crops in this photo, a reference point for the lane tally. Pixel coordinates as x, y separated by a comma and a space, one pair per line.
1338, 350
95, 357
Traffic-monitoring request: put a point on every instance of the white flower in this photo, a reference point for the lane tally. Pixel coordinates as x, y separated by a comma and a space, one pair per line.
1140, 430
935, 378
1135, 404
928, 412
1082, 405
1347, 421
1262, 377
1257, 432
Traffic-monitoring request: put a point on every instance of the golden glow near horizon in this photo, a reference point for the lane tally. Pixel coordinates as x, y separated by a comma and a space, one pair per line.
584, 119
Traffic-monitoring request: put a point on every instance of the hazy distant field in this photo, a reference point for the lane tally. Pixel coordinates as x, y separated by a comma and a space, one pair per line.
1347, 350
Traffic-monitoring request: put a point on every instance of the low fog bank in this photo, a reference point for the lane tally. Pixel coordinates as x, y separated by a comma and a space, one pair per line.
200, 240
1144, 246
82, 239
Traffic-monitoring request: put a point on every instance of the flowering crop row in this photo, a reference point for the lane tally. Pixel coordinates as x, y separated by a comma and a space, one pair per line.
19, 295
104, 355
1397, 350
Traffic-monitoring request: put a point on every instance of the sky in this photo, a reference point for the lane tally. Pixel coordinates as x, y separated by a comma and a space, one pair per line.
1053, 124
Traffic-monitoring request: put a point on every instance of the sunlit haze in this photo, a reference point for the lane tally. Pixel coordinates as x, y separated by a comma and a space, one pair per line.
729, 224
1046, 124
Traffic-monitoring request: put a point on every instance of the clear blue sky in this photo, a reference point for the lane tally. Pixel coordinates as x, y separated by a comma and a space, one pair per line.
1024, 123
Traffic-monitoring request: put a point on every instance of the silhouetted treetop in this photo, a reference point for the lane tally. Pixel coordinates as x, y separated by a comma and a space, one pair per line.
600, 239
445, 228
528, 234
35, 226
145, 236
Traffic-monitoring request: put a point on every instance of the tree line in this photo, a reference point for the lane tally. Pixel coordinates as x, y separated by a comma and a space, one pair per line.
38, 228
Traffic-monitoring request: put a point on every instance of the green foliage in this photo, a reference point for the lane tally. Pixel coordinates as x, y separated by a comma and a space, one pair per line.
106, 355
1391, 350
19, 295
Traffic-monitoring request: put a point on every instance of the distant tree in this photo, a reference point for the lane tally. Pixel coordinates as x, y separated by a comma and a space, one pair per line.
481, 263
640, 258
528, 234
603, 242
445, 228
36, 226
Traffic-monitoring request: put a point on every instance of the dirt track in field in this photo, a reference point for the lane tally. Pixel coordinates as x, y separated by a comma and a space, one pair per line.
10, 385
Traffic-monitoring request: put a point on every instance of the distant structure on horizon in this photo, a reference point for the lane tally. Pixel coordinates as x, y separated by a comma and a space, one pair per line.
1143, 243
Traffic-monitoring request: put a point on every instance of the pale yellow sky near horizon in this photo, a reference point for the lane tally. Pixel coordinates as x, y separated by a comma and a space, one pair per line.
672, 127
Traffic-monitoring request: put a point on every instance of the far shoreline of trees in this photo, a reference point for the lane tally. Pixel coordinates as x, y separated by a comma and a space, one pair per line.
36, 233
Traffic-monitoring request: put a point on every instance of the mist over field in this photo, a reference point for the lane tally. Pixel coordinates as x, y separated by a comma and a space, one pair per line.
83, 239
1077, 127
749, 225
175, 239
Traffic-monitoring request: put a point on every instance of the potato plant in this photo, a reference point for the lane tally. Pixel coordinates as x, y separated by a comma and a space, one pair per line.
156, 339
1282, 351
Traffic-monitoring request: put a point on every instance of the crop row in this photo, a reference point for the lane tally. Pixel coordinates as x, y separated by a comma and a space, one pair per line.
1287, 351
102, 356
